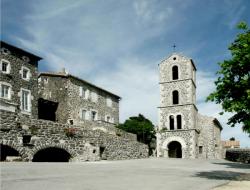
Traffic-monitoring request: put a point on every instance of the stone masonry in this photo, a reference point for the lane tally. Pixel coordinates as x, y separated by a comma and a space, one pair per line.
84, 145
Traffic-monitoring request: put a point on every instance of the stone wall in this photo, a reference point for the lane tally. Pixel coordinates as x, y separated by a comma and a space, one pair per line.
209, 138
238, 155
84, 145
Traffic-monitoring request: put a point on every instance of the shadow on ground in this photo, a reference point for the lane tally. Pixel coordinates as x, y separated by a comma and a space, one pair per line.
235, 165
224, 175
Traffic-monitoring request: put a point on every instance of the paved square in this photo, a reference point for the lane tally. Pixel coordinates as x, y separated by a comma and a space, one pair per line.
146, 174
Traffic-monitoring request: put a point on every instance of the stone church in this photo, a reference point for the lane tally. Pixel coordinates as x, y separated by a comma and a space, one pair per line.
182, 131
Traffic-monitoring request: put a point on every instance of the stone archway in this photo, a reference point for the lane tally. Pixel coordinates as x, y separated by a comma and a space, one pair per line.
52, 154
174, 150
6, 151
182, 144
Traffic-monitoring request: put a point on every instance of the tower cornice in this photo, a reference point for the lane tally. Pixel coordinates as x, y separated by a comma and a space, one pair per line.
178, 81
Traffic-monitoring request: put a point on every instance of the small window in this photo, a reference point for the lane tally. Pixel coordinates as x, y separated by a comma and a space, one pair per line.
5, 91
179, 122
25, 101
175, 95
5, 66
5, 51
93, 115
200, 149
25, 72
171, 122
175, 72
109, 102
108, 119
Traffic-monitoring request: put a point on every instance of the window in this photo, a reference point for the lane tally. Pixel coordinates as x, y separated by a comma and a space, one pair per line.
108, 118
109, 102
5, 66
171, 122
175, 72
25, 73
5, 51
200, 149
83, 92
179, 122
5, 91
25, 100
93, 115
175, 97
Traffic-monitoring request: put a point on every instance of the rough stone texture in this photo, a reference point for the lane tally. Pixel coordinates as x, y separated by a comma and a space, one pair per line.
18, 58
197, 131
65, 89
84, 145
238, 155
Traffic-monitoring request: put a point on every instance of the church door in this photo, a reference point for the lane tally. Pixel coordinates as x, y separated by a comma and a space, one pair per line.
174, 150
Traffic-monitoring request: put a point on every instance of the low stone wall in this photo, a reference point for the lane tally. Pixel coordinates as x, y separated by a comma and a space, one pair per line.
87, 142
238, 155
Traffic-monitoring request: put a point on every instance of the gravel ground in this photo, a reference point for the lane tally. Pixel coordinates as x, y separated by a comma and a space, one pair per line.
143, 174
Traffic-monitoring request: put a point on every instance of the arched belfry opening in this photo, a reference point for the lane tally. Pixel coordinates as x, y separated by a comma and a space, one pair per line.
175, 73
7, 151
51, 154
175, 95
171, 122
174, 150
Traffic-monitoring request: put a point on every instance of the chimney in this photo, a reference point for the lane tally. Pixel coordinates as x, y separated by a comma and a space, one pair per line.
64, 71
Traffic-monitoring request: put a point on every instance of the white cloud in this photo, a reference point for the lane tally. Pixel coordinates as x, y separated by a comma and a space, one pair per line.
150, 12
205, 85
137, 83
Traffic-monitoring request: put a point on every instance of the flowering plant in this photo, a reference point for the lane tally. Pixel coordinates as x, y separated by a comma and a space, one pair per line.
70, 132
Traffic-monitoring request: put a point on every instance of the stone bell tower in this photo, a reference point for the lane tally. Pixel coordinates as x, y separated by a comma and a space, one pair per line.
178, 134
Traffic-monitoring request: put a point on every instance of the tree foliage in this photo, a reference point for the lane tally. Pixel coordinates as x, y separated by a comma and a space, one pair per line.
233, 84
141, 126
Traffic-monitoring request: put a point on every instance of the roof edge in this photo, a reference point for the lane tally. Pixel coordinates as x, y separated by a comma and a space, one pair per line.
66, 75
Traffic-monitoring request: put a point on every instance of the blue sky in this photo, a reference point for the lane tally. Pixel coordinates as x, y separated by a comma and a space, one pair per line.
118, 44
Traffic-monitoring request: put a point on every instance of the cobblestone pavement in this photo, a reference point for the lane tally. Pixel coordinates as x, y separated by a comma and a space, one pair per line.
145, 174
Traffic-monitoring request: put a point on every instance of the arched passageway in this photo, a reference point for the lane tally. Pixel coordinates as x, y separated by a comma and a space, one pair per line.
174, 150
51, 154
7, 151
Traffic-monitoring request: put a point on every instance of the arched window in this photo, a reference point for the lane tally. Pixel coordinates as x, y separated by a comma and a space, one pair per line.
179, 122
171, 122
175, 97
175, 72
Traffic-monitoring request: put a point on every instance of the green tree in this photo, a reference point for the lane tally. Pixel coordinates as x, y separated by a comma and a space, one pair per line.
233, 83
141, 126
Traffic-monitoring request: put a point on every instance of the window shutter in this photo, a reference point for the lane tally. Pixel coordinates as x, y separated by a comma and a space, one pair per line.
80, 90
87, 115
87, 94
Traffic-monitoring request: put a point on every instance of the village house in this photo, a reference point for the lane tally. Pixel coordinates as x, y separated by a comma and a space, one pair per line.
18, 81
68, 99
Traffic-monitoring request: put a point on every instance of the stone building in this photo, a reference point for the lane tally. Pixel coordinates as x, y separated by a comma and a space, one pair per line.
18, 81
68, 99
183, 132
27, 135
